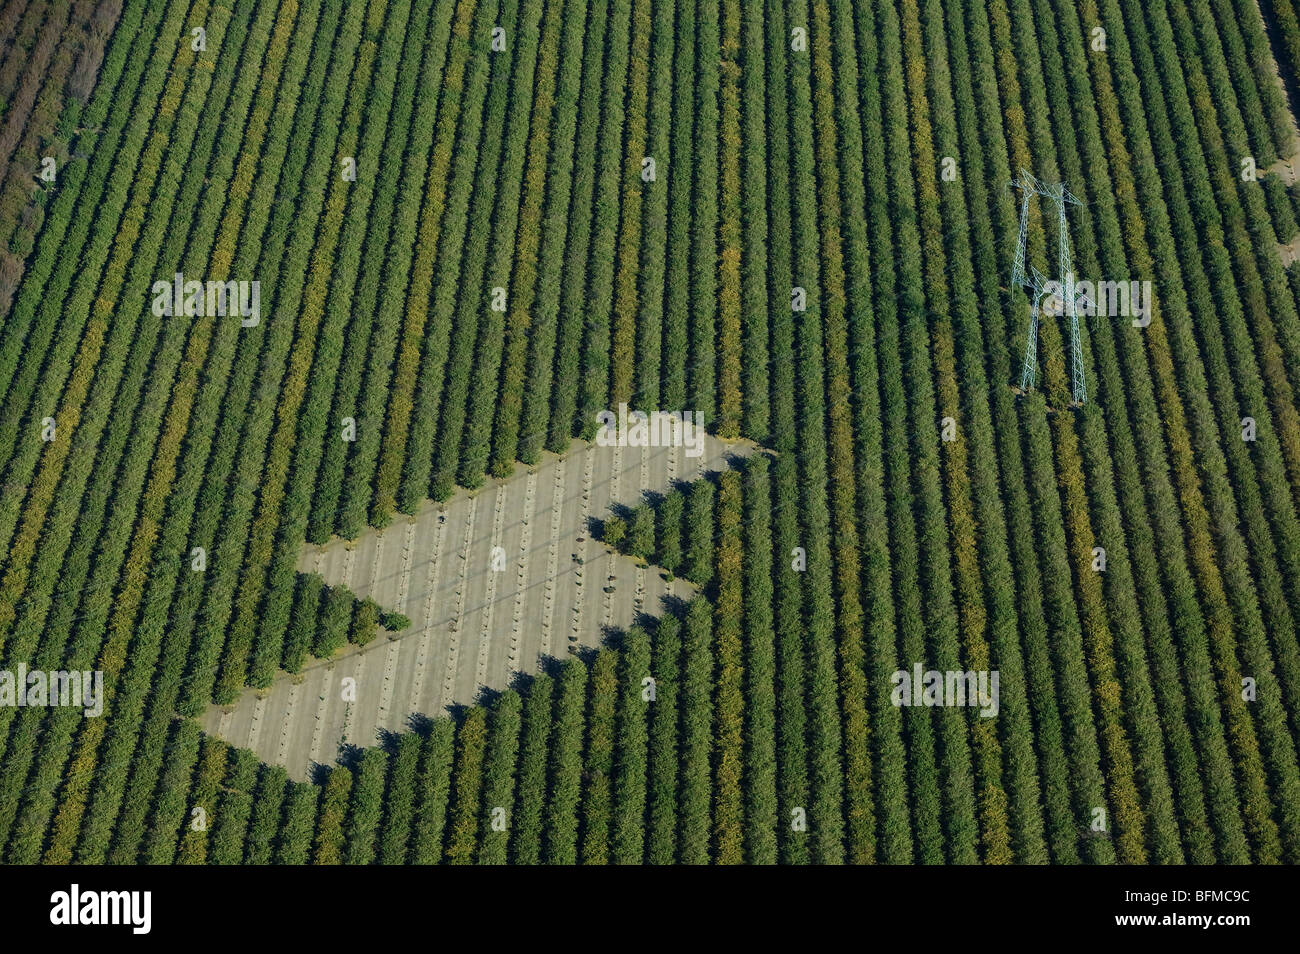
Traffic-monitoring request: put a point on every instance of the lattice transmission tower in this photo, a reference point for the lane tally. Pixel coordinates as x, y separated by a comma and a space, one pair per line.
1037, 282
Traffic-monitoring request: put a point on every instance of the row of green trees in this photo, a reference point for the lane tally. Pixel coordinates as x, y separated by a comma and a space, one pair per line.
67, 358
357, 290
54, 619
391, 130
473, 310
283, 267
581, 395
1274, 310
415, 381
483, 395
1114, 246
752, 724
562, 179
347, 96
1147, 528
557, 386
155, 670
524, 293
139, 244
999, 499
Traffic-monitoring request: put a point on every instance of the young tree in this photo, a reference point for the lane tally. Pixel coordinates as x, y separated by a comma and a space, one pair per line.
335, 621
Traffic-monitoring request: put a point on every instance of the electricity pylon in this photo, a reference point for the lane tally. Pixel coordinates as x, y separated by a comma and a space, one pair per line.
1037, 282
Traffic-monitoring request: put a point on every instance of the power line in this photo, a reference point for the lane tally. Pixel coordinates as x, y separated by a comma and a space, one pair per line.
1038, 283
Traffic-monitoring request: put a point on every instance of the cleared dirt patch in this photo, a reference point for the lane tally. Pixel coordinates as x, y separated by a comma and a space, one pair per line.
472, 626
